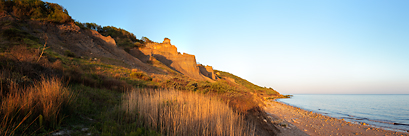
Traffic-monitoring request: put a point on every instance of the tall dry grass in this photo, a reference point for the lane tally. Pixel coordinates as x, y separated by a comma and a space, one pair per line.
22, 107
173, 112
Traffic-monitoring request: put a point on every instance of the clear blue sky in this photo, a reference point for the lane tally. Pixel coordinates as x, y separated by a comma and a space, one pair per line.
293, 46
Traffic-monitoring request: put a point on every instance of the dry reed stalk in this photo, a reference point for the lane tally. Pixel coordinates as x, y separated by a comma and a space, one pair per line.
45, 99
184, 113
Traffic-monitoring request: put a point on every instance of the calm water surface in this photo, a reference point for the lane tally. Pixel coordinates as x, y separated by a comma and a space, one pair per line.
385, 111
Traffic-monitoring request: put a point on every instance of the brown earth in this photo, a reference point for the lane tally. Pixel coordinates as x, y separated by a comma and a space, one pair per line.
84, 43
292, 119
207, 71
89, 44
167, 53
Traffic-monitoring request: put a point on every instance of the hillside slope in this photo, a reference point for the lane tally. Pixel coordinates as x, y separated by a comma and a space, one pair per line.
34, 48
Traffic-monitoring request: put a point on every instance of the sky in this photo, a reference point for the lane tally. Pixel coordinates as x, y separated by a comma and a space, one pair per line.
293, 46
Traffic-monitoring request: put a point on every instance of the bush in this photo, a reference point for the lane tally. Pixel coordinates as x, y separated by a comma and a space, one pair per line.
123, 38
81, 25
15, 34
68, 53
37, 9
140, 75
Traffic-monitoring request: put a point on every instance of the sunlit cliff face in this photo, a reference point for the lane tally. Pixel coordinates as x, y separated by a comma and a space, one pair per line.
167, 54
166, 41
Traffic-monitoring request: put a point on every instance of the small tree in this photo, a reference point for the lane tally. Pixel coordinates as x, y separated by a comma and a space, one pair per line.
146, 40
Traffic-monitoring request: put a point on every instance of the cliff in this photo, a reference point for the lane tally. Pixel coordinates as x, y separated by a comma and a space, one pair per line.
68, 37
167, 53
98, 65
207, 71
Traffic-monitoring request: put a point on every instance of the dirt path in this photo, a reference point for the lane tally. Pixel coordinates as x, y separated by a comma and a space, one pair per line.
291, 118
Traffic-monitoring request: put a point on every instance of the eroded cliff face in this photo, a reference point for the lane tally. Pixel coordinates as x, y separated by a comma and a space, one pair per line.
84, 43
167, 53
207, 71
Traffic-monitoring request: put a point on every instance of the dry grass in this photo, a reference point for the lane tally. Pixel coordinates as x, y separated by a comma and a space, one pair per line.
42, 102
173, 112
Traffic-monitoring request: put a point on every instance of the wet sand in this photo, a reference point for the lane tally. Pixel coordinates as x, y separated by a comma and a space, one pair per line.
295, 121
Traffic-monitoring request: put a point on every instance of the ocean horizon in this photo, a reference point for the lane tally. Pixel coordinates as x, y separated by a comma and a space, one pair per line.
387, 111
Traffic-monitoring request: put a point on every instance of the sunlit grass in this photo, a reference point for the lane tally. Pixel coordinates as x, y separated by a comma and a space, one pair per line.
43, 102
173, 112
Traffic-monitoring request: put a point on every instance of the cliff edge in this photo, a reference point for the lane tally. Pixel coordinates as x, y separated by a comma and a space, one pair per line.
167, 53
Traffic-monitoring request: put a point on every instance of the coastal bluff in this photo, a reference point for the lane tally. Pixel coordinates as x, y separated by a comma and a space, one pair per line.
167, 54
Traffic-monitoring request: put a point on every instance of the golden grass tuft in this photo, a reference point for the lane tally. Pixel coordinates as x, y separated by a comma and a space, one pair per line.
134, 70
25, 105
173, 112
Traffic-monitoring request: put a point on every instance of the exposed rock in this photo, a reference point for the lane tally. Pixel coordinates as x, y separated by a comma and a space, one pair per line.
68, 36
207, 71
166, 41
143, 54
167, 53
86, 43
107, 39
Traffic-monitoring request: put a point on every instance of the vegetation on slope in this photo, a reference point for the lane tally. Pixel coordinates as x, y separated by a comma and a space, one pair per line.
35, 9
87, 94
248, 85
173, 112
38, 106
123, 38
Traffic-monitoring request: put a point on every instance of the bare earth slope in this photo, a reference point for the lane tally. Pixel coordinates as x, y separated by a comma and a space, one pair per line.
87, 43
68, 39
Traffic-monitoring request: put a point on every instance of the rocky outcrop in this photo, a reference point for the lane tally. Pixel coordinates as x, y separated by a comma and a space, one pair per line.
207, 71
106, 39
68, 38
167, 53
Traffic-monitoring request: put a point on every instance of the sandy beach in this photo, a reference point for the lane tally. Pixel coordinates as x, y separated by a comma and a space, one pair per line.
295, 121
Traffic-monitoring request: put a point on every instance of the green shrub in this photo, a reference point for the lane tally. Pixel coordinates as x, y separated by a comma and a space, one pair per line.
15, 34
68, 53
192, 85
123, 38
36, 9
140, 75
81, 25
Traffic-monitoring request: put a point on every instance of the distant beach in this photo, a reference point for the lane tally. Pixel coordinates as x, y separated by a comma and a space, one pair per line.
390, 112
296, 121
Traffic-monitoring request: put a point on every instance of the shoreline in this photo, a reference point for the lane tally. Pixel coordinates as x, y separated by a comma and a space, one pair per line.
292, 120
350, 120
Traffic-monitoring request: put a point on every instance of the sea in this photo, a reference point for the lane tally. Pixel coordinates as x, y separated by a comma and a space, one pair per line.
389, 112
